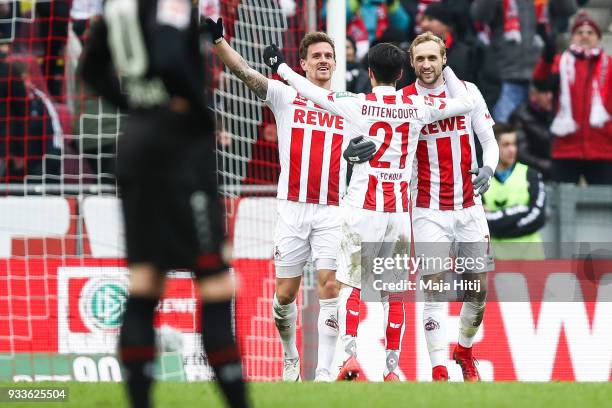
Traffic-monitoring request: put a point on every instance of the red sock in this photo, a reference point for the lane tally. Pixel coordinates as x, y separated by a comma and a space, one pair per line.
395, 323
352, 312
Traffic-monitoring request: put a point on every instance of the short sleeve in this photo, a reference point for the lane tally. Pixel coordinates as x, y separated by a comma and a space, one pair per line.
481, 117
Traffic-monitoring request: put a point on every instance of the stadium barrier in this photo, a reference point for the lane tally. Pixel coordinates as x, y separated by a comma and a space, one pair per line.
63, 285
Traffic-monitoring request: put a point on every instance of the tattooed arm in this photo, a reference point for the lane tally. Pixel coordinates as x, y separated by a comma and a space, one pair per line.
239, 67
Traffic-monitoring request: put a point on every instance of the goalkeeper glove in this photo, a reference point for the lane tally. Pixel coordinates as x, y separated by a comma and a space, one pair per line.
359, 150
483, 179
273, 57
215, 29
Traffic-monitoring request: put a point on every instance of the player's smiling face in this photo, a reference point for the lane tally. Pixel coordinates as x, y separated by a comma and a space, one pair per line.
320, 63
427, 62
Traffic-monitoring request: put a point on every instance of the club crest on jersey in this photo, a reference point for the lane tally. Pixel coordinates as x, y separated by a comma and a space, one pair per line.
431, 324
332, 322
300, 100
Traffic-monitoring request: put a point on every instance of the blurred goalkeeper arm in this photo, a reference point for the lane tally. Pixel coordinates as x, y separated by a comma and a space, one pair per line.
256, 82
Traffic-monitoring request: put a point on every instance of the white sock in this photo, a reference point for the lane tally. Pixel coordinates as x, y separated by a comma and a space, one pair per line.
470, 320
285, 317
327, 326
434, 323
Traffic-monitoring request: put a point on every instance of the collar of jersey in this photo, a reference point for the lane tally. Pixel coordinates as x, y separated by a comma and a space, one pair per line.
427, 91
384, 89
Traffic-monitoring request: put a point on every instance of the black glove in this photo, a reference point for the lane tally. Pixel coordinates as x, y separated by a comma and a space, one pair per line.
273, 57
215, 29
483, 179
550, 45
359, 150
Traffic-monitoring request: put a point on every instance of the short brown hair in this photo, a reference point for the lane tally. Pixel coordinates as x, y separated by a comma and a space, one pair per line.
502, 129
423, 38
313, 38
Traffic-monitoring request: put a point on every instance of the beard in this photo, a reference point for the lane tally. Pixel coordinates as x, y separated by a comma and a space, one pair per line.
430, 77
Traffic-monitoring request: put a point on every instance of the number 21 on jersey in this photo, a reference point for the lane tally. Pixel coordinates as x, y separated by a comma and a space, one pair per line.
387, 131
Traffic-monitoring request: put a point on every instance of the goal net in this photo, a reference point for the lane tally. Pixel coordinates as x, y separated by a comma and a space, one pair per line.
63, 278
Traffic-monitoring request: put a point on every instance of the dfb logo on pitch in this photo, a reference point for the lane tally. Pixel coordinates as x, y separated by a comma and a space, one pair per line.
91, 301
102, 302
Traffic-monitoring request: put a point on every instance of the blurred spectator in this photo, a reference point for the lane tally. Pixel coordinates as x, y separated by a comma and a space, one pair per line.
532, 123
582, 125
515, 202
513, 40
53, 18
560, 13
418, 8
356, 30
12, 111
357, 79
378, 15
37, 134
458, 9
8, 10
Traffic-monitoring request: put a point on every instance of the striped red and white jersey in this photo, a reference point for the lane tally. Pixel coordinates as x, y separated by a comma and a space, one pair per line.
310, 143
446, 152
393, 122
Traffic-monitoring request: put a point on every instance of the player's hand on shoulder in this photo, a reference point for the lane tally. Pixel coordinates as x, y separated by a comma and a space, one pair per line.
359, 150
482, 181
215, 29
273, 57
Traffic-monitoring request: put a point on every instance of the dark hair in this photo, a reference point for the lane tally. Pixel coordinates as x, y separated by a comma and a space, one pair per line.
386, 62
314, 38
502, 129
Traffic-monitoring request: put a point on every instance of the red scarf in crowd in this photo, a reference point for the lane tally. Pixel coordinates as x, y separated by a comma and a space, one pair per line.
512, 21
564, 123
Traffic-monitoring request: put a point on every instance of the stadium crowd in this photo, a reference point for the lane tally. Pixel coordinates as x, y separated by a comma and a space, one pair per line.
545, 76
540, 69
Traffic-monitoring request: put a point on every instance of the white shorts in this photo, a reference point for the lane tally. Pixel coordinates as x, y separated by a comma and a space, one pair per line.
373, 227
302, 230
460, 234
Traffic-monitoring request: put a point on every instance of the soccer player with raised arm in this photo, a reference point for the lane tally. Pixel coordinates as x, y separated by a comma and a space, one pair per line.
448, 218
376, 206
311, 183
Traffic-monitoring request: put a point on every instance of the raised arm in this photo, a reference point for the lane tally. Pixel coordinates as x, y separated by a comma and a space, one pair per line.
321, 96
254, 80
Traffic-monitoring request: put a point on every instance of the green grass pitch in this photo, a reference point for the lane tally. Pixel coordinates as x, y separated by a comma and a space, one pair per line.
351, 395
